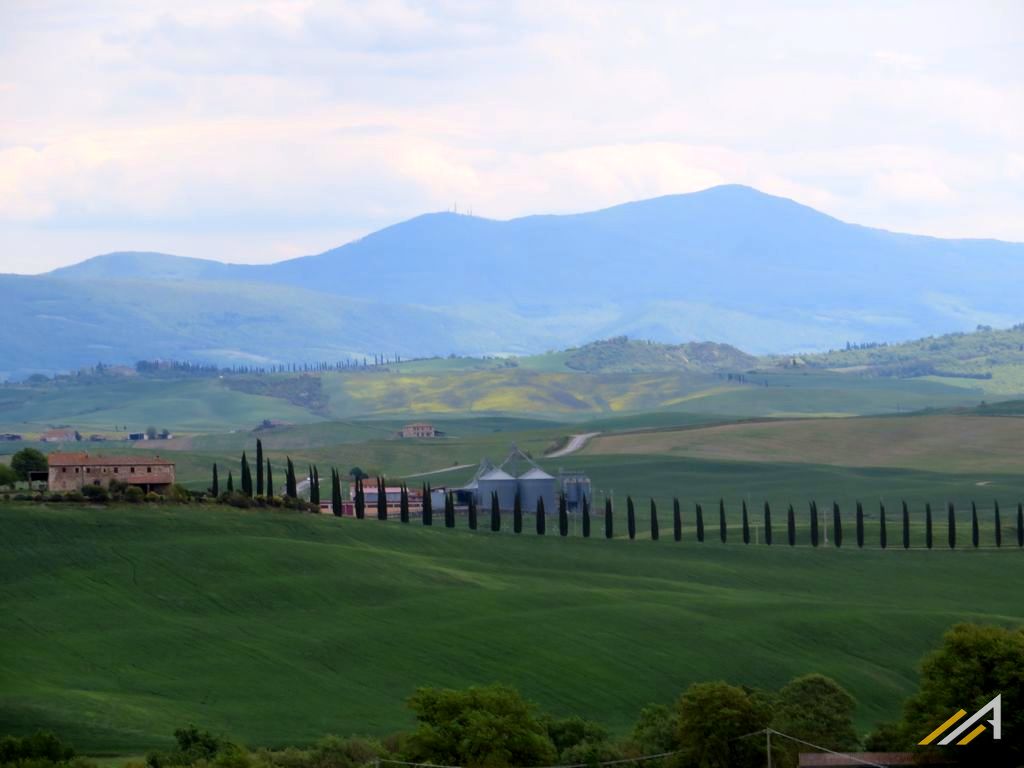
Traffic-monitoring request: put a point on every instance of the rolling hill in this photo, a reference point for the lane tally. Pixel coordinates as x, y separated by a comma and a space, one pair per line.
730, 264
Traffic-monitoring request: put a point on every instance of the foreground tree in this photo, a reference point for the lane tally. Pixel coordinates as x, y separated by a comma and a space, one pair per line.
586, 517
951, 524
609, 524
837, 525
630, 518
563, 515
906, 526
28, 460
517, 513
791, 525
814, 523
270, 480
655, 533
928, 525
975, 535
883, 535
231, 483
403, 504
215, 484
449, 510
746, 524
723, 529
817, 709
1020, 524
860, 525
973, 665
336, 505
677, 520
471, 513
541, 517
712, 720
767, 524
699, 512
487, 726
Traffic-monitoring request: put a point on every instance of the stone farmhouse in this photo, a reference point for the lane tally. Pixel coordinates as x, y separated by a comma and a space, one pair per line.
73, 471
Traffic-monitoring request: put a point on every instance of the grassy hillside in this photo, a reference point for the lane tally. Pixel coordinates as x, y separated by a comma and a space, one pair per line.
936, 443
122, 624
624, 354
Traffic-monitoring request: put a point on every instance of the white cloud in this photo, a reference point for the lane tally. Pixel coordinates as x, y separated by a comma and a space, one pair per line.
297, 120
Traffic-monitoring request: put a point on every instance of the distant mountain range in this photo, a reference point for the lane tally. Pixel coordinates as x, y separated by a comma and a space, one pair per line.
728, 264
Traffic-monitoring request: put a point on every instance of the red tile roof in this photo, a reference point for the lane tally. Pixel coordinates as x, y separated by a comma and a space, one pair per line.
84, 459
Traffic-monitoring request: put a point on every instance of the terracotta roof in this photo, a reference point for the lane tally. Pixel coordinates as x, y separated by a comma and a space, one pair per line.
68, 432
84, 459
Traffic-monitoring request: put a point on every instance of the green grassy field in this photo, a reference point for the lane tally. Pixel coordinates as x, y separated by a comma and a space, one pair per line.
121, 624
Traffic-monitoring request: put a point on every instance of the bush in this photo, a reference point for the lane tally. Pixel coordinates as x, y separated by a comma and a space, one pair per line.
96, 494
134, 495
55, 497
152, 497
239, 500
74, 496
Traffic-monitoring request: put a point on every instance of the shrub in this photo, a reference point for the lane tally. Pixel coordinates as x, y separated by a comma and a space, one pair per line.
77, 496
134, 495
239, 500
55, 497
153, 497
96, 494
179, 494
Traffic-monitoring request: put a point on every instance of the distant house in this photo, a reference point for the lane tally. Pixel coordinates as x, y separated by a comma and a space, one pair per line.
10, 437
419, 429
73, 471
60, 435
135, 436
393, 494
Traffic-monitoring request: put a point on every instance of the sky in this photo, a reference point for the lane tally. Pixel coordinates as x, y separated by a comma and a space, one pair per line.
250, 131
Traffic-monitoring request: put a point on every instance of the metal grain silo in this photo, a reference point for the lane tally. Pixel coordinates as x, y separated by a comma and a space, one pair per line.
576, 487
535, 484
500, 482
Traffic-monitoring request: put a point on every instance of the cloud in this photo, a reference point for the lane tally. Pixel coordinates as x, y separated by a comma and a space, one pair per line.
191, 122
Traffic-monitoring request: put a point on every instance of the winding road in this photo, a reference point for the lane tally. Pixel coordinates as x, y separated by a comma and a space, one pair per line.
576, 443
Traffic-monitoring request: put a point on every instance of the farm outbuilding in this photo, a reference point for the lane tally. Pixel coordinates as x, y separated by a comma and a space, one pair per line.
536, 484
519, 473
500, 482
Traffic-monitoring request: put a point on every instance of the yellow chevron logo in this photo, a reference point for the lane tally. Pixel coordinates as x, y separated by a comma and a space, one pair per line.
970, 729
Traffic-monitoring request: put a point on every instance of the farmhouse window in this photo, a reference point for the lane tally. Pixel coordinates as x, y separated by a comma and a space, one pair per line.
149, 469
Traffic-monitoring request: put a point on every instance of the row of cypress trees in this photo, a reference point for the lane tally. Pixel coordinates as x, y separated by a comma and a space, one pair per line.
264, 485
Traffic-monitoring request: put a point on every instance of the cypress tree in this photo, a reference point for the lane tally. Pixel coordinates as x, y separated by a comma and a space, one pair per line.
723, 531
860, 525
335, 492
246, 477
998, 522
906, 525
495, 513
215, 487
471, 513
427, 517
382, 498
791, 526
316, 484
677, 520
231, 483
655, 533
951, 514
814, 523
291, 489
974, 525
517, 513
309, 479
928, 525
360, 499
837, 525
563, 515
630, 518
700, 523
259, 467
270, 480
542, 518
608, 523
767, 524
883, 534
403, 504
1020, 524
586, 517
449, 510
